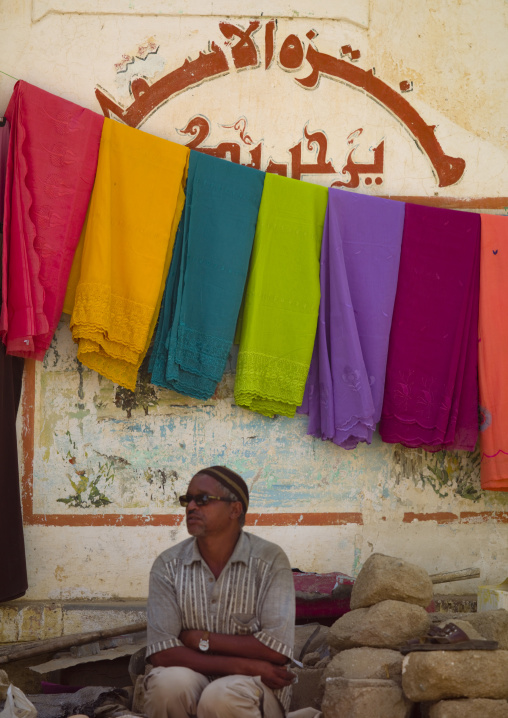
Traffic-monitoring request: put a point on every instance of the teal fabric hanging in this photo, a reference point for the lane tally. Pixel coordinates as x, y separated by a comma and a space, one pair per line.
207, 276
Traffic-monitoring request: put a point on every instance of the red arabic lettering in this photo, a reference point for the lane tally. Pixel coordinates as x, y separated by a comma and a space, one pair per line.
356, 169
270, 29
245, 52
147, 98
191, 73
199, 128
448, 169
291, 54
317, 141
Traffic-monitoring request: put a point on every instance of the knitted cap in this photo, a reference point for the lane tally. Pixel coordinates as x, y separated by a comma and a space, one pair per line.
231, 480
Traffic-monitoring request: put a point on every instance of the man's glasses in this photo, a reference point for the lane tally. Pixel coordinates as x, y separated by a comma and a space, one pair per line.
202, 499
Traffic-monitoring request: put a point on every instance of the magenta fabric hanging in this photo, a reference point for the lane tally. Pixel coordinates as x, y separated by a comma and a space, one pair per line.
358, 273
431, 391
51, 164
4, 147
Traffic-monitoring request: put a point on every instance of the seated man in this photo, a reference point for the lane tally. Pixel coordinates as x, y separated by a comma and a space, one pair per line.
221, 613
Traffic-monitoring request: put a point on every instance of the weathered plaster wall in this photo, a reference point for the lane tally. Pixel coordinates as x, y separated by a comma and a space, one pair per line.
100, 475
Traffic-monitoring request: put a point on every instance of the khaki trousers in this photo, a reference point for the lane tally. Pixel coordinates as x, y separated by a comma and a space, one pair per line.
182, 693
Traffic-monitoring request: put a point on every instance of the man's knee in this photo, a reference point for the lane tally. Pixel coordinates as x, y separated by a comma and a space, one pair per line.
174, 685
229, 697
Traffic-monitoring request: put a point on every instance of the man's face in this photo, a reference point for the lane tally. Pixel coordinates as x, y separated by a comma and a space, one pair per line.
216, 517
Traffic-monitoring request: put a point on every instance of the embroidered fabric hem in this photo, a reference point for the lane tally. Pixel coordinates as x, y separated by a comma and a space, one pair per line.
96, 341
431, 439
125, 322
269, 385
116, 370
201, 353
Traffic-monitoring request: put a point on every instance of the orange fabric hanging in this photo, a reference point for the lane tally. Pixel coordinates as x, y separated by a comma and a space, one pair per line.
493, 353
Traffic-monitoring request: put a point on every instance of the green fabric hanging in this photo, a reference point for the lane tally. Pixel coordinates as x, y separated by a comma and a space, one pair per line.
282, 297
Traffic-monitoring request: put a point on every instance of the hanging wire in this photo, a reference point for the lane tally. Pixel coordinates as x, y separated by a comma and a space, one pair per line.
6, 73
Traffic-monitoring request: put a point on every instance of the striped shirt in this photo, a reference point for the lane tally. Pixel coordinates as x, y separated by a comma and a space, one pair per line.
254, 595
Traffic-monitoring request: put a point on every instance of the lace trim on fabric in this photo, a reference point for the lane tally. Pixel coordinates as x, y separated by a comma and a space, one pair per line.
269, 385
111, 332
201, 353
125, 323
464, 438
116, 370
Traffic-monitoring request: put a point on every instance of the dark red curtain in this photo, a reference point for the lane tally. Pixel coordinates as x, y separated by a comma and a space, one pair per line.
13, 578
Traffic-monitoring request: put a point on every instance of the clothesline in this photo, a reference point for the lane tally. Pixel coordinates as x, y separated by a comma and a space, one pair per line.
429, 353
6, 73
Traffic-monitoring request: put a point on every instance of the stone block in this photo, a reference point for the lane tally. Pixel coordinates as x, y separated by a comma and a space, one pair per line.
378, 663
385, 578
470, 708
434, 675
388, 624
492, 625
308, 691
8, 624
40, 620
349, 698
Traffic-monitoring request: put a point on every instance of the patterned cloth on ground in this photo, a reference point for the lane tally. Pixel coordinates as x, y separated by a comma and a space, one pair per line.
51, 167
431, 390
359, 266
493, 352
207, 276
282, 298
134, 212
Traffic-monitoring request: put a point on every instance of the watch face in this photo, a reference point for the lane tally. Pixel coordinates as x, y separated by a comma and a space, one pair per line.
204, 644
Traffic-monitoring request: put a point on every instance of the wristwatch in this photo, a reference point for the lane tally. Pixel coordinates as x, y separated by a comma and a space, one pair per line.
204, 642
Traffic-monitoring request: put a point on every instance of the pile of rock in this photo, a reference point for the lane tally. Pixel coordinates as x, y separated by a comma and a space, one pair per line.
368, 676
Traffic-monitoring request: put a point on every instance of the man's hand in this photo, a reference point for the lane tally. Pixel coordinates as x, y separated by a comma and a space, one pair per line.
272, 675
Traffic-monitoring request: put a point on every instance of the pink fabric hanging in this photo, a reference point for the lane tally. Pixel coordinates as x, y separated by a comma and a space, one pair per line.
4, 146
51, 165
431, 389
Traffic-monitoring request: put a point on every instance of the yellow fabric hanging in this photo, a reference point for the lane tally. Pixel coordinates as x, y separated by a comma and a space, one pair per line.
134, 212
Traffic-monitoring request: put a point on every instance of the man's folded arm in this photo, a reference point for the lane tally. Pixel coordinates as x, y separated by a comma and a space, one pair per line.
274, 676
234, 645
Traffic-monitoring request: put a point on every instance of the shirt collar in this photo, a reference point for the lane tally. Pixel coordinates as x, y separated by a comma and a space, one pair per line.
240, 554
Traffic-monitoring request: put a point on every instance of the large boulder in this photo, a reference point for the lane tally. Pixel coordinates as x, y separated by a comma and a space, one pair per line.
385, 578
492, 625
434, 675
362, 698
388, 624
470, 708
377, 663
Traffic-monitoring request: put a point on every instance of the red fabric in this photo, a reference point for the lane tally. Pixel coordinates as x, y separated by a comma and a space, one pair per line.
431, 389
322, 597
51, 164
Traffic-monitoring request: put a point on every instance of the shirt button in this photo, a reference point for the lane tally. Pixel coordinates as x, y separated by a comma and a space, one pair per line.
214, 600
211, 580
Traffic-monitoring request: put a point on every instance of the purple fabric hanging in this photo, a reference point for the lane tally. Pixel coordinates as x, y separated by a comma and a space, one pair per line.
4, 148
431, 392
359, 266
